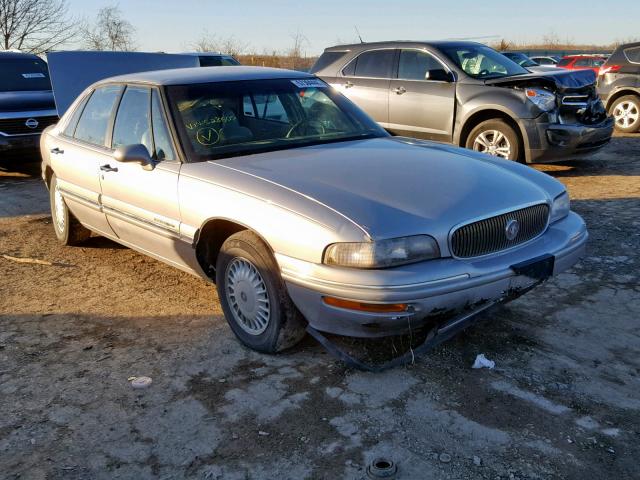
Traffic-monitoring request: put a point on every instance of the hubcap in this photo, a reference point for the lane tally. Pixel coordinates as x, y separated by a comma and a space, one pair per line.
493, 142
626, 114
247, 296
58, 206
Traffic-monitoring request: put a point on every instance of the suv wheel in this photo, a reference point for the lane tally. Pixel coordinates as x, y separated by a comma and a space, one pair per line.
495, 137
626, 113
68, 229
253, 296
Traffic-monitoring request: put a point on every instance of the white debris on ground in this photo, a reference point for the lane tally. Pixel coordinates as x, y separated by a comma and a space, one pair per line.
483, 362
140, 382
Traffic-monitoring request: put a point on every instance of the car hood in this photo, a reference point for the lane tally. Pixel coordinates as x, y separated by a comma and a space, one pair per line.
26, 101
559, 79
393, 187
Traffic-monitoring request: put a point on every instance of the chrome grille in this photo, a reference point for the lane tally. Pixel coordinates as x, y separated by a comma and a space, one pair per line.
489, 235
18, 126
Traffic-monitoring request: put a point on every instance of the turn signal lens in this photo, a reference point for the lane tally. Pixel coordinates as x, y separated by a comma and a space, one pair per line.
366, 307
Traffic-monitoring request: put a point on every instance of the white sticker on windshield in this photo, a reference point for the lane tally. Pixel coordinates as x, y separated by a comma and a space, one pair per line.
309, 83
33, 75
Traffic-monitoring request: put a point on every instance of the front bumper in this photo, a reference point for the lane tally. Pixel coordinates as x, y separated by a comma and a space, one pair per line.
434, 289
550, 142
16, 145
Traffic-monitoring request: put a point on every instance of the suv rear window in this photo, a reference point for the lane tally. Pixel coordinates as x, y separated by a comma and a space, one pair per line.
23, 74
326, 59
374, 64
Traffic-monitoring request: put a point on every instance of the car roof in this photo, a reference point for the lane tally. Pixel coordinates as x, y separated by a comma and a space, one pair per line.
188, 76
9, 54
401, 43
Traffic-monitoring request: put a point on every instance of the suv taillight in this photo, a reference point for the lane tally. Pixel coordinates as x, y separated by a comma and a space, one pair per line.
610, 69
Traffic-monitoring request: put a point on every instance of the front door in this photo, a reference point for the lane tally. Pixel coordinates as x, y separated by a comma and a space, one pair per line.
141, 201
422, 97
365, 81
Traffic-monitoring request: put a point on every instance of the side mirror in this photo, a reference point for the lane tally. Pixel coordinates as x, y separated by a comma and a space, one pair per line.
440, 75
137, 153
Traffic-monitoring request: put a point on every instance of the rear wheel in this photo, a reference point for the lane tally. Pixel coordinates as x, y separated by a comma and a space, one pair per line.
495, 137
253, 296
626, 113
68, 229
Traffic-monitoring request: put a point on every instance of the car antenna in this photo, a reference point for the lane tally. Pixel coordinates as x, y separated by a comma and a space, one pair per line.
358, 32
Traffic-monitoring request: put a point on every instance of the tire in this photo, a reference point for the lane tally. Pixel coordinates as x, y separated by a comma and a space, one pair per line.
482, 137
247, 277
626, 113
68, 229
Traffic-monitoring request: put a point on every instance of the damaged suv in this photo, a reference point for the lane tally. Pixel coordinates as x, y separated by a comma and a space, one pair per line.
468, 94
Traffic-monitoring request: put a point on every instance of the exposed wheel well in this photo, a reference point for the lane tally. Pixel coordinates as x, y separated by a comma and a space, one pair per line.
621, 93
209, 240
479, 117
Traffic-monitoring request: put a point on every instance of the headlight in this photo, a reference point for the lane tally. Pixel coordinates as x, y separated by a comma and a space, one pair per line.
543, 99
560, 208
383, 253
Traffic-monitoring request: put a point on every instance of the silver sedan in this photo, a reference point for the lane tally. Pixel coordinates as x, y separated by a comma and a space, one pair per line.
299, 208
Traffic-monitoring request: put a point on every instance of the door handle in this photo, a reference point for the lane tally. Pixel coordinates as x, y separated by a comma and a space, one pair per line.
400, 90
56, 151
348, 84
108, 168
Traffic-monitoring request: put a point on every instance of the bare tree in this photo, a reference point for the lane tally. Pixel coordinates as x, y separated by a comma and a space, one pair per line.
210, 43
206, 43
297, 50
503, 45
110, 32
36, 25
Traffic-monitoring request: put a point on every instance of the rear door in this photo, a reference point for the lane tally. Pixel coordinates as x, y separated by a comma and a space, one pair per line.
365, 80
141, 203
78, 152
422, 97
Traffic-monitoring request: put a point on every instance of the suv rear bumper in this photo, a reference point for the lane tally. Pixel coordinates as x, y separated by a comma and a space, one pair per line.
550, 142
434, 290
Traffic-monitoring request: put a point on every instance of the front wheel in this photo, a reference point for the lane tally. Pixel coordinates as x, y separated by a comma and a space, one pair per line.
68, 229
495, 137
626, 113
253, 296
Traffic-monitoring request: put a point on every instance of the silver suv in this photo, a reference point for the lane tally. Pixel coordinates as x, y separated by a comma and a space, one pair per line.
468, 94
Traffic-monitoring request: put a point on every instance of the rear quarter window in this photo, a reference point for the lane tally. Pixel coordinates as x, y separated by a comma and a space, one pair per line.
326, 59
564, 62
632, 54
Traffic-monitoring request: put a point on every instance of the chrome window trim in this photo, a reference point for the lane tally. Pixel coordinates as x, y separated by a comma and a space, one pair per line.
549, 203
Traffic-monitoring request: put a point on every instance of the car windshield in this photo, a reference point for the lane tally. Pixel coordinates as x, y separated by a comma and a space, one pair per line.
23, 74
479, 61
521, 59
226, 119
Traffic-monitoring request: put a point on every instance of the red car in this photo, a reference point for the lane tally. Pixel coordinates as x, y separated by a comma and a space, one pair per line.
582, 62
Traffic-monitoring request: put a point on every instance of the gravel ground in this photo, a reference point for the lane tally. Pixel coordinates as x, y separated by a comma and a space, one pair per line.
562, 402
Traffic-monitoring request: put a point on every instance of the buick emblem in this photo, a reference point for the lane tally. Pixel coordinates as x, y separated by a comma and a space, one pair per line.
511, 229
31, 123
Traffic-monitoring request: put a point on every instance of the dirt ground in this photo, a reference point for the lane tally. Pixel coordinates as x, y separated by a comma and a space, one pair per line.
562, 402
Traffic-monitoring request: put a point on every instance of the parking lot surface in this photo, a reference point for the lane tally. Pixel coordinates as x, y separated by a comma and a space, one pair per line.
562, 402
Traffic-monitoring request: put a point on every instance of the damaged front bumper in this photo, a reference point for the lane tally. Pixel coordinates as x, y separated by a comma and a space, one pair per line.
549, 141
433, 289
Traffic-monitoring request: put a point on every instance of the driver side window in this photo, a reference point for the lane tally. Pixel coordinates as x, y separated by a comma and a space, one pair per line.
133, 122
418, 65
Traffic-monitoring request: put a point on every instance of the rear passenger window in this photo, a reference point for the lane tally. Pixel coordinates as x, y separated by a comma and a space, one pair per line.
374, 64
161, 135
133, 123
92, 127
73, 122
267, 107
583, 63
564, 62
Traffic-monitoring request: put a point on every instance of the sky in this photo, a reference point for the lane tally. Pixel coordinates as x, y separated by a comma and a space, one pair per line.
174, 25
